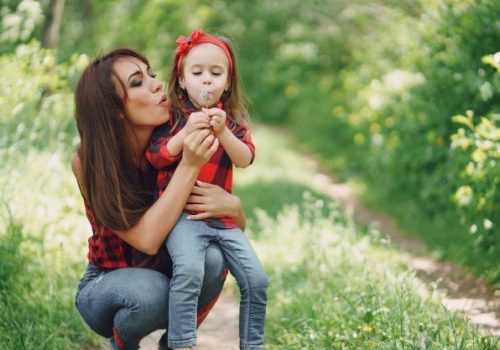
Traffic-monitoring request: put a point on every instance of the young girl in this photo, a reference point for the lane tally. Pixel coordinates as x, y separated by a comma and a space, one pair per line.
204, 94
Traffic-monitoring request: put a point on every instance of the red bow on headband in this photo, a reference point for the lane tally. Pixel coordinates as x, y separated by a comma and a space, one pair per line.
184, 44
198, 36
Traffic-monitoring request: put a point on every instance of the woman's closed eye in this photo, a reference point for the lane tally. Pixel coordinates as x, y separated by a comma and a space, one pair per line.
137, 83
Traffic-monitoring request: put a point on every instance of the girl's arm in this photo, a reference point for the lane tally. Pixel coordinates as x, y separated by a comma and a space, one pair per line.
239, 147
237, 150
214, 202
165, 149
153, 228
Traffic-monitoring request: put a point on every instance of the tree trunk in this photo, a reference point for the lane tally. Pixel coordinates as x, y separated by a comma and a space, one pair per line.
52, 23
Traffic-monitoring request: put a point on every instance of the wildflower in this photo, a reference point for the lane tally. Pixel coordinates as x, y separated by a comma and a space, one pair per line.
473, 229
487, 224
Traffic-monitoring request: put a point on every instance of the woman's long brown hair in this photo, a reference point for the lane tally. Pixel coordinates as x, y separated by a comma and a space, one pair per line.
233, 100
112, 184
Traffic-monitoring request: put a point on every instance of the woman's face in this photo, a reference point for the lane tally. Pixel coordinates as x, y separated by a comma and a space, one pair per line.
205, 74
145, 104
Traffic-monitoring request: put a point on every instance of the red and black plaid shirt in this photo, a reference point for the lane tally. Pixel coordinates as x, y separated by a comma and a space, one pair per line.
218, 170
106, 249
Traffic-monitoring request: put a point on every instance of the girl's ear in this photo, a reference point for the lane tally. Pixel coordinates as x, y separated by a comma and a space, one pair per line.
181, 83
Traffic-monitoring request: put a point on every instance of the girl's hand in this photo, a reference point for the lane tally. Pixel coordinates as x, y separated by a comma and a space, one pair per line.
198, 147
213, 201
197, 120
217, 119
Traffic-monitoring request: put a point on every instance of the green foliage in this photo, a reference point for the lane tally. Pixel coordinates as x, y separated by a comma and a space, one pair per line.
19, 21
335, 284
477, 154
39, 270
35, 100
334, 288
389, 120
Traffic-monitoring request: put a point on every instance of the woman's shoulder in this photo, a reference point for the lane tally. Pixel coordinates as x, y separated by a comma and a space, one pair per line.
76, 165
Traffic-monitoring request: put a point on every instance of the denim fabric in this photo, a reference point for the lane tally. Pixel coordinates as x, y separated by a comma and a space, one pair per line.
186, 245
134, 301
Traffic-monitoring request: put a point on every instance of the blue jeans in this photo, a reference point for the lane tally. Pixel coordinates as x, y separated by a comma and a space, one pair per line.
186, 245
129, 303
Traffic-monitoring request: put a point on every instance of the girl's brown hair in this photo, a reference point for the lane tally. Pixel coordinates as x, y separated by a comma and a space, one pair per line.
113, 186
233, 100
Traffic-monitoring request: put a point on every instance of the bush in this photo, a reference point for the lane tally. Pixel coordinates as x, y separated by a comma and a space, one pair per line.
392, 121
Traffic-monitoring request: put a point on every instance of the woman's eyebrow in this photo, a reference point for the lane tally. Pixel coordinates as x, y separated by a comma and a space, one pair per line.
137, 72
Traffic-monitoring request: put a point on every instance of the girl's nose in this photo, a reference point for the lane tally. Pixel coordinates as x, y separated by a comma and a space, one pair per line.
207, 79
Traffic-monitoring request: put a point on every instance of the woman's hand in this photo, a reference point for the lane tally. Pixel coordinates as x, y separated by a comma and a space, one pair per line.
214, 202
198, 147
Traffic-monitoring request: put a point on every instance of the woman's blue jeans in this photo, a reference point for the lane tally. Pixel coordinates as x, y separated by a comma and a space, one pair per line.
129, 303
186, 245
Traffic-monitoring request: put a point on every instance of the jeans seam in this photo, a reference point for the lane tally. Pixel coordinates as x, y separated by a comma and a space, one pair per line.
245, 338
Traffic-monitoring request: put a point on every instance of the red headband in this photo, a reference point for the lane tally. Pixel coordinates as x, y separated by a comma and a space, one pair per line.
198, 36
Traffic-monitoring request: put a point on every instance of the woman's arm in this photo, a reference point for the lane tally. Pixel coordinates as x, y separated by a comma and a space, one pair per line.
214, 202
153, 228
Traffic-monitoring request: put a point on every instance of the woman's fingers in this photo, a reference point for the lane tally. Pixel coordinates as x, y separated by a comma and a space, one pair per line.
195, 207
199, 216
197, 196
204, 184
213, 147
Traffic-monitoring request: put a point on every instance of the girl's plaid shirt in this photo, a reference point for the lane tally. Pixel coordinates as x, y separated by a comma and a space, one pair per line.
218, 170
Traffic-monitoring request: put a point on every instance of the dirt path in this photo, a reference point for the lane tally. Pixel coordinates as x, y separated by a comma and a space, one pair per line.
464, 293
218, 332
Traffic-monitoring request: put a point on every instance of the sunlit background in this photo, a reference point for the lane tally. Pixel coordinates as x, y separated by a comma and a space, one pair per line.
401, 99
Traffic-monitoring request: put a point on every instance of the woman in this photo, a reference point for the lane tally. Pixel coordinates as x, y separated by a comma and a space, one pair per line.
118, 104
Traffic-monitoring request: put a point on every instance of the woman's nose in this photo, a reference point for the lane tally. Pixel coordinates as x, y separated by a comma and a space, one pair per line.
157, 85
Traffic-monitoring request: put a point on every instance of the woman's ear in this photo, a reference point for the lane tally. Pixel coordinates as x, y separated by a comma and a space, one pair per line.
181, 83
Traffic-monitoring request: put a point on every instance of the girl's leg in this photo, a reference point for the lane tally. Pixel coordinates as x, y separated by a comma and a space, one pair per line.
252, 281
124, 304
213, 281
186, 245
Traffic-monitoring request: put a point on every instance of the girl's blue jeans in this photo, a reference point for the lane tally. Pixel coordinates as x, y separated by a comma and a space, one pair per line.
186, 245
129, 303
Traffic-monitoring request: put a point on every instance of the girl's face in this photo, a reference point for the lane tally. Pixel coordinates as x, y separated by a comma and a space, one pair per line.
205, 74
145, 104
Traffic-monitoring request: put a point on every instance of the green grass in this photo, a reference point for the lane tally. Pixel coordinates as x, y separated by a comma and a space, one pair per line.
42, 253
443, 232
335, 284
